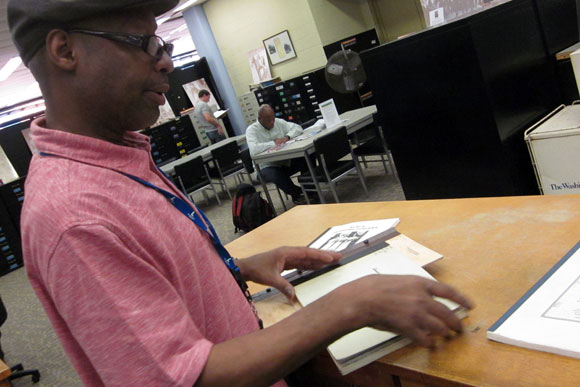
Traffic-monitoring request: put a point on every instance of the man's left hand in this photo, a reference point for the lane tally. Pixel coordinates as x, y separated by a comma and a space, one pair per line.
282, 140
265, 268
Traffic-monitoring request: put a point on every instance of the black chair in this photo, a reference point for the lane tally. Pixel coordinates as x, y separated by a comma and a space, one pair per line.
249, 165
17, 371
330, 149
226, 162
374, 144
192, 176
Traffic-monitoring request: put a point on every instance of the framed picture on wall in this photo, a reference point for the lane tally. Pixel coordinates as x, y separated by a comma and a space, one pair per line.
279, 48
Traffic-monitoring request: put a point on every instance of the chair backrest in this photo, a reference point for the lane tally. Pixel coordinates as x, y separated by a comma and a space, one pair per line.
191, 172
333, 145
247, 160
227, 154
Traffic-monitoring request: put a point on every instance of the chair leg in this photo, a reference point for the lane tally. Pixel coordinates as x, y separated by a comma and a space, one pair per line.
19, 374
304, 193
215, 193
227, 189
282, 200
361, 176
205, 196
225, 185
384, 164
364, 161
333, 189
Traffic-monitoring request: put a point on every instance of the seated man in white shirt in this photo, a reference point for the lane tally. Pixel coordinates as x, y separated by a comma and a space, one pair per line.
268, 132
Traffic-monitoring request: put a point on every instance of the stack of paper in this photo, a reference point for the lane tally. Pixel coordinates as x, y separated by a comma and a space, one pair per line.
365, 345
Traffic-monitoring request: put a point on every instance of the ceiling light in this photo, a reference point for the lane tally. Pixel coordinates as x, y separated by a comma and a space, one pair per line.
162, 20
178, 29
9, 68
187, 4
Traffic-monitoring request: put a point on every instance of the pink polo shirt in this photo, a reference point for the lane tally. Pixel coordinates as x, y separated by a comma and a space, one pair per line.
136, 293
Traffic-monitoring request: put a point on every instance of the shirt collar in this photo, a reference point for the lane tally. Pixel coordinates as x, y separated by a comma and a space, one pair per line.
133, 158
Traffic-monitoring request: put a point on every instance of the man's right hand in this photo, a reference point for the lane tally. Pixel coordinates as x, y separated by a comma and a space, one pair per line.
402, 304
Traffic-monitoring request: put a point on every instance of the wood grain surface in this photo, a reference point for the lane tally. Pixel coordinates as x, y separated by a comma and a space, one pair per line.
494, 250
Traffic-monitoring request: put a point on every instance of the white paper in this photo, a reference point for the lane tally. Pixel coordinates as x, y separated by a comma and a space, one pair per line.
575, 59
338, 238
7, 171
549, 320
384, 261
329, 113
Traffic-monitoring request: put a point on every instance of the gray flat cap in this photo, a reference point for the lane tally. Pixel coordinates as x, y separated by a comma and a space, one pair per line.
31, 20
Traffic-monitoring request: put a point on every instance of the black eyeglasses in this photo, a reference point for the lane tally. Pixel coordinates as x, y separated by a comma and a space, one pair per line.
151, 44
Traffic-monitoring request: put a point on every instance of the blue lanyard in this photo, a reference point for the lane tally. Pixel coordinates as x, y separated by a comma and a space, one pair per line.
187, 210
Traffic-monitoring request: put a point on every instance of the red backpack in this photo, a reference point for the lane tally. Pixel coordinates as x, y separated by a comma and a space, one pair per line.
249, 210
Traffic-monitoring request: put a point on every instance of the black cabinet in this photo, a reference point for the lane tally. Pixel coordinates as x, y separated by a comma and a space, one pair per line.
11, 200
172, 140
455, 101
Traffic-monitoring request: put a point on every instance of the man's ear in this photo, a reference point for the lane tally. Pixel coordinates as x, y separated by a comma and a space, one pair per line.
60, 50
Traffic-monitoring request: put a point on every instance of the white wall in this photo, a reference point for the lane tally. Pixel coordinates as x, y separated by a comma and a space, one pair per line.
338, 19
240, 26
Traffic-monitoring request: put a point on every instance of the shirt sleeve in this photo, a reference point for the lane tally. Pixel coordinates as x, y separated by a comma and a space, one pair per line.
124, 314
255, 143
291, 129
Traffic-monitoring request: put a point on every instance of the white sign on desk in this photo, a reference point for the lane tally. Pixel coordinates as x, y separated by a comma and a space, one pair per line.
329, 113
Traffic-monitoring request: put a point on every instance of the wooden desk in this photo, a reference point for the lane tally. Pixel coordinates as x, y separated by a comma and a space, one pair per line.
353, 121
4, 374
169, 168
494, 250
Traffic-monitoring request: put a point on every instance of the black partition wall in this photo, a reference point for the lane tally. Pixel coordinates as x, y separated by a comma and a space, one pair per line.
455, 100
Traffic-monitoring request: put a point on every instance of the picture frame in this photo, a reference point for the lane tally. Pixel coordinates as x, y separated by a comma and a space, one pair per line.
279, 48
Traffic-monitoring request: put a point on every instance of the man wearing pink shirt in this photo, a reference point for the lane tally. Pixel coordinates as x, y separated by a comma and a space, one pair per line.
132, 276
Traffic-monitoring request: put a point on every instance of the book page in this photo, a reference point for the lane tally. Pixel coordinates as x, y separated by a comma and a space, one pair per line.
384, 261
341, 237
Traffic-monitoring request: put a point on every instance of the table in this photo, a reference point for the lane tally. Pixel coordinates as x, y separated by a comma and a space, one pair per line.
494, 250
4, 374
353, 120
169, 168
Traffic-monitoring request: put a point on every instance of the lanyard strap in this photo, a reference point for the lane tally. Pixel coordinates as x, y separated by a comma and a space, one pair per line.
189, 211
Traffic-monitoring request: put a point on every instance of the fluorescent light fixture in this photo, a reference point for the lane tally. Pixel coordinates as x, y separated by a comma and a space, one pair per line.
162, 20
178, 29
9, 68
185, 5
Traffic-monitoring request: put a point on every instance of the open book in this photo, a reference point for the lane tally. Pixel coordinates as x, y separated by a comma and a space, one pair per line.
365, 345
353, 238
361, 243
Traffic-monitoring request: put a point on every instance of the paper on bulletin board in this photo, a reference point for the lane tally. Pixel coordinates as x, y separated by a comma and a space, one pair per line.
165, 114
7, 171
259, 65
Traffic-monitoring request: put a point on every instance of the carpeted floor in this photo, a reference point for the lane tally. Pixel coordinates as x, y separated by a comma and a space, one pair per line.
28, 338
